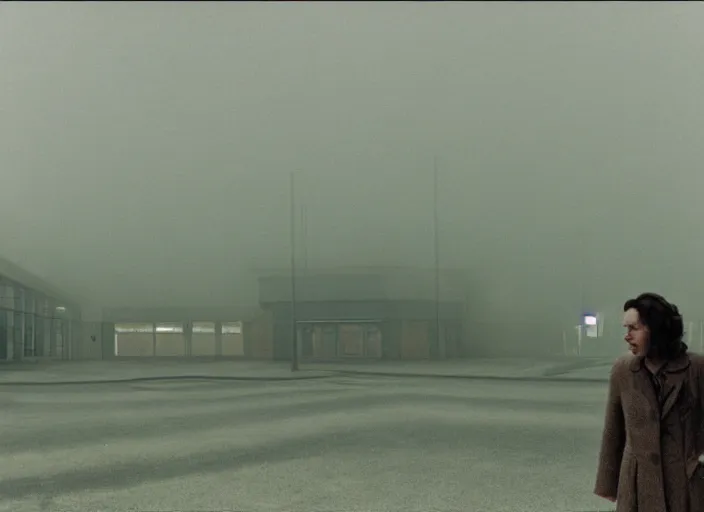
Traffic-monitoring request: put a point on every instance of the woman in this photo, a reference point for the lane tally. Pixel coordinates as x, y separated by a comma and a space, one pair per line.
654, 429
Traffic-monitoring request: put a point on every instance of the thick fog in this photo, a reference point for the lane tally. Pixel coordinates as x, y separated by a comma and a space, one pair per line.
146, 148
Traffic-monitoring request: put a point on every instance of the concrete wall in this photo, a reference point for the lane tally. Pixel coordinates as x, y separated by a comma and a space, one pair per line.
408, 327
90, 341
170, 344
203, 344
87, 340
414, 337
135, 344
232, 345
258, 336
415, 342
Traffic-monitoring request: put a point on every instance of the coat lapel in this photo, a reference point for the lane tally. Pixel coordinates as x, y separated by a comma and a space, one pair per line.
676, 373
642, 382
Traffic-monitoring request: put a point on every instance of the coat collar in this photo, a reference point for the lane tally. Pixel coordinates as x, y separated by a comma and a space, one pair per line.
676, 365
675, 374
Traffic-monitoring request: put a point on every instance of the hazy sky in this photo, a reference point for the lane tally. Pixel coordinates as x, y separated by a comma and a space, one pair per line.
145, 148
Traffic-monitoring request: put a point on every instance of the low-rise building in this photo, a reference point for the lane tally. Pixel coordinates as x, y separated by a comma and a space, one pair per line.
366, 313
36, 320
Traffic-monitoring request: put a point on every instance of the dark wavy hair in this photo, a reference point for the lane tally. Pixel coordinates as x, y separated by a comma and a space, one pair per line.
664, 322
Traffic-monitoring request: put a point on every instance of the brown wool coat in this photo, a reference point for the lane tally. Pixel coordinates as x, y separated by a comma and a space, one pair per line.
649, 455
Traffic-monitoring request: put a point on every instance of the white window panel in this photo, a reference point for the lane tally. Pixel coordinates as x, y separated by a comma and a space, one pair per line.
142, 327
169, 327
204, 327
232, 327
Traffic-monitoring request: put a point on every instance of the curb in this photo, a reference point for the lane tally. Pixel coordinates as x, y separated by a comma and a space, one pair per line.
548, 378
204, 378
567, 368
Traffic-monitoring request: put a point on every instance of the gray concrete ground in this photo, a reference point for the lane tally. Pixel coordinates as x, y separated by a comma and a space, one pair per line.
344, 443
165, 369
588, 369
147, 369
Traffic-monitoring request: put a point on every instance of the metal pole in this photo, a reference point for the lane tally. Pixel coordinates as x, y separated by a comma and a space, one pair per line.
436, 250
304, 228
582, 292
580, 328
294, 329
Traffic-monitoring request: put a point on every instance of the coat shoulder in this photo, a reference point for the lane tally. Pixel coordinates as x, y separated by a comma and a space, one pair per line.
696, 358
620, 370
622, 364
697, 361
697, 372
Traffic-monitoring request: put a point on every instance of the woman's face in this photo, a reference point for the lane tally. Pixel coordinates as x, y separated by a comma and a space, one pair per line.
637, 335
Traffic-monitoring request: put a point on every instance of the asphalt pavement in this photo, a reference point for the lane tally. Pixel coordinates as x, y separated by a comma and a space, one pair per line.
344, 443
148, 369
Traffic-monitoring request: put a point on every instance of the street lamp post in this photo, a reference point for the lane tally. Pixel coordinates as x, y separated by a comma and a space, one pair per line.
294, 327
436, 254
